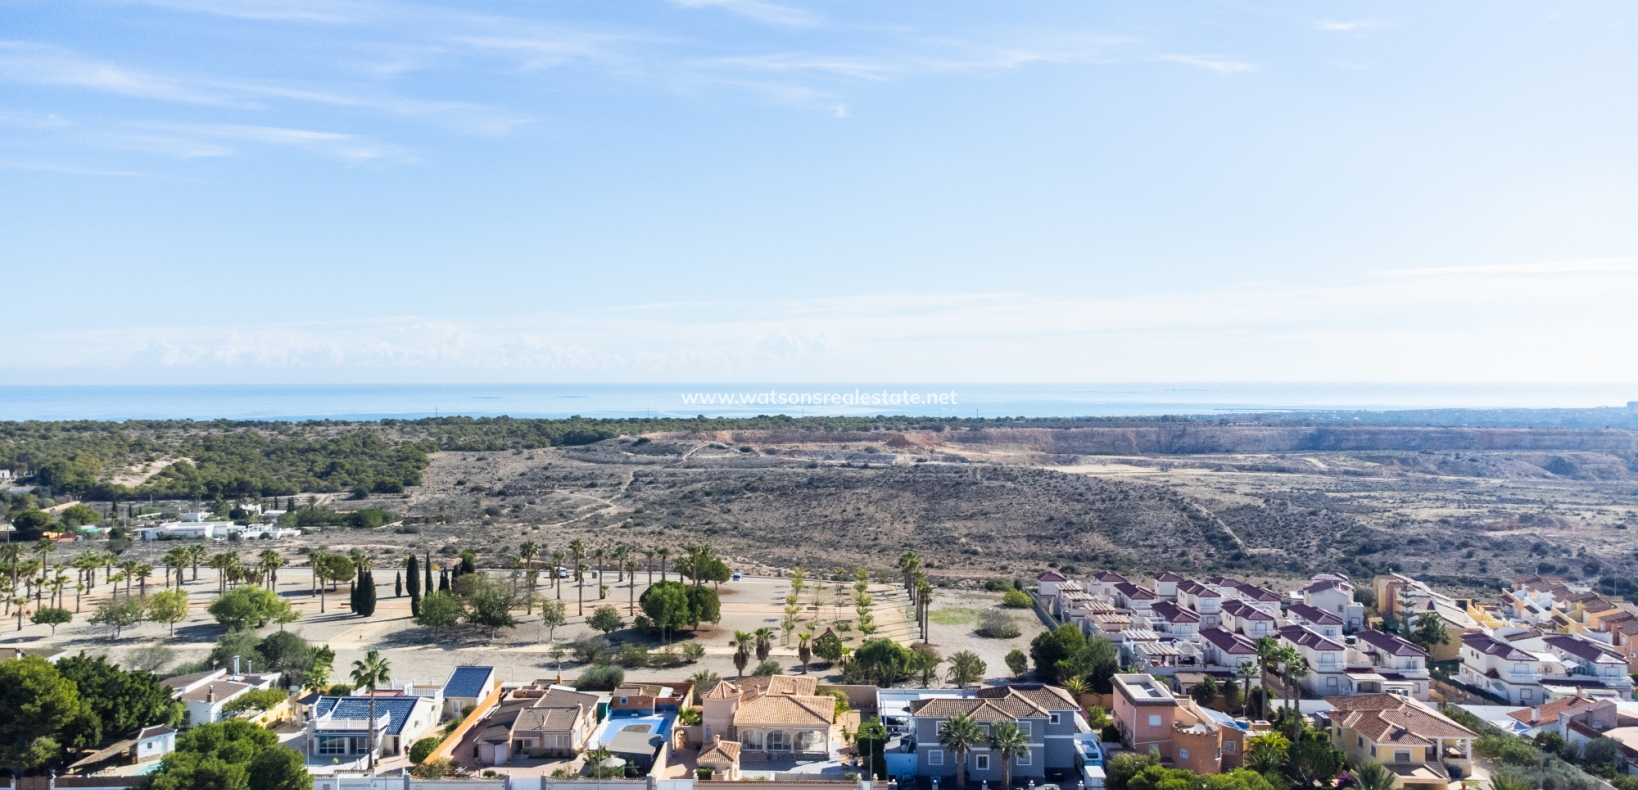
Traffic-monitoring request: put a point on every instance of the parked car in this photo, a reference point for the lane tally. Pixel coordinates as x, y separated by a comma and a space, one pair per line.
735, 577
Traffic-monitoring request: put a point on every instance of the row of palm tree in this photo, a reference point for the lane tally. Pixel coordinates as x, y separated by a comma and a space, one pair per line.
918, 588
581, 557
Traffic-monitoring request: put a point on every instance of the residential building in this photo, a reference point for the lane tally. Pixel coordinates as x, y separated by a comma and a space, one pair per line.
340, 726
130, 756
646, 698
1327, 660
1502, 669
1151, 719
1166, 585
1226, 650
1103, 583
1325, 623
1335, 594
1577, 719
1202, 599
722, 757
204, 694
1045, 714
1047, 583
780, 715
1244, 618
466, 687
537, 721
1180, 622
1134, 598
1590, 663
1417, 743
1402, 664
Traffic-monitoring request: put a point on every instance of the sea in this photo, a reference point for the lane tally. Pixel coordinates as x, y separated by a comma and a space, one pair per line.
297, 402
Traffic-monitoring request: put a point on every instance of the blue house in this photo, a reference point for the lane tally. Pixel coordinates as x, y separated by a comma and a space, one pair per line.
466, 687
340, 726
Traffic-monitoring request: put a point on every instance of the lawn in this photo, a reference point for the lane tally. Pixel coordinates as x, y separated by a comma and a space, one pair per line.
954, 615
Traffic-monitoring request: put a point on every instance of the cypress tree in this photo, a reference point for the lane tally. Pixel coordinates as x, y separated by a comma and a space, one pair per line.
428, 587
366, 594
443, 582
414, 574
352, 596
397, 584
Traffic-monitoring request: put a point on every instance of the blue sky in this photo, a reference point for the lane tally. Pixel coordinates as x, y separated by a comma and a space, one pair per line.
817, 190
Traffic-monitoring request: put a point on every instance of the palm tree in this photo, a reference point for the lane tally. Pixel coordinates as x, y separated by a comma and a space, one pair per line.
599, 553
648, 557
1372, 776
222, 563
1268, 655
1077, 688
958, 734
764, 643
1010, 742
45, 548
577, 547
1296, 668
621, 552
196, 552
143, 570
129, 568
630, 567
270, 562
966, 667
804, 651
528, 551
176, 560
1246, 671
742, 646
369, 673
12, 554
664, 554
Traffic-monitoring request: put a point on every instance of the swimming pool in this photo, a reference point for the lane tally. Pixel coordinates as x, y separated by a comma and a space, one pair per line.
659, 724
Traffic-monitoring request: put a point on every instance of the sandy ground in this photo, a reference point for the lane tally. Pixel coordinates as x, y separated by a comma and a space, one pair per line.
522, 653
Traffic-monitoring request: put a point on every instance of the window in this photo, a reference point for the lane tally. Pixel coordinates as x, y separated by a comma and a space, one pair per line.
778, 740
1401, 755
1361, 741
1154, 720
1231, 746
1023, 757
935, 756
622, 700
1373, 750
1024, 727
981, 762
1182, 754
1055, 718
332, 744
1331, 682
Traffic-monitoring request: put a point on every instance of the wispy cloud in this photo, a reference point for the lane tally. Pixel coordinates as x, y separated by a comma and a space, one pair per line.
1590, 265
44, 64
771, 13
1215, 63
1343, 26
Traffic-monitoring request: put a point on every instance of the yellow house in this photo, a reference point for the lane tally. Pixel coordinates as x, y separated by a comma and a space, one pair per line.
1407, 737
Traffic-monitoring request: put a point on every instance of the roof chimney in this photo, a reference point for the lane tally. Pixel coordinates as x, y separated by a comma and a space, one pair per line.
210, 693
716, 739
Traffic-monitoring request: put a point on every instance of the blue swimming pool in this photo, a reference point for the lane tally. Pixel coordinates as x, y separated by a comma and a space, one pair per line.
659, 724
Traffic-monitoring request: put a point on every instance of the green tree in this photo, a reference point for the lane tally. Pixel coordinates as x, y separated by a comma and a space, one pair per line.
1017, 663
1267, 752
440, 610
118, 614
256, 700
1016, 599
1372, 776
214, 756
251, 607
37, 707
412, 577
169, 607
1430, 631
666, 605
29, 525
422, 749
1050, 649
881, 662
489, 605
288, 654
958, 735
966, 668
553, 614
1007, 741
1204, 692
871, 742
121, 701
828, 647
1313, 763
52, 616
605, 619
280, 768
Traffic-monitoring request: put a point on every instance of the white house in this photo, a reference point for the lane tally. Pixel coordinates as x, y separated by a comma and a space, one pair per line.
1180, 622
1166, 585
1047, 583
1203, 600
1327, 661
1501, 669
1325, 623
1403, 665
1247, 619
1335, 594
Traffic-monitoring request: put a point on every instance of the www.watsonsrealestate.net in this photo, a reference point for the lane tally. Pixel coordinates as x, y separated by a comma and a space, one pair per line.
855, 398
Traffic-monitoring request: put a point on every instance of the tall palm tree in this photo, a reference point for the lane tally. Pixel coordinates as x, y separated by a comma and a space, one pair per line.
557, 581
368, 674
621, 552
143, 570
599, 554
958, 734
764, 643
12, 554
1245, 672
804, 651
1296, 668
630, 567
129, 568
1268, 655
45, 548
665, 554
222, 563
196, 552
528, 551
176, 560
270, 561
648, 559
743, 644
577, 547
1009, 742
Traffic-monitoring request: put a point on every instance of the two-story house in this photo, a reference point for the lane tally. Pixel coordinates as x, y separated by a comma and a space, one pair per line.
1151, 719
1589, 661
1134, 598
1226, 650
779, 716
1047, 583
1327, 660
1045, 715
1244, 618
1180, 622
340, 726
1203, 600
1335, 594
1322, 622
1501, 669
1166, 585
1402, 664
1103, 584
1414, 741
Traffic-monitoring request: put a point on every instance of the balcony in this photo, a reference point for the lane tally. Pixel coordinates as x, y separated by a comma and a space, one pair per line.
331, 724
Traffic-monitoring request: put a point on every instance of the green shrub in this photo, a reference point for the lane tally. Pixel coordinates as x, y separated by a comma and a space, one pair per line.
1017, 599
422, 749
606, 678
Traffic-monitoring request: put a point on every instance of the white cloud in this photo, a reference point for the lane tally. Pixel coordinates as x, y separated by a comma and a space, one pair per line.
44, 64
756, 9
1508, 323
1218, 64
